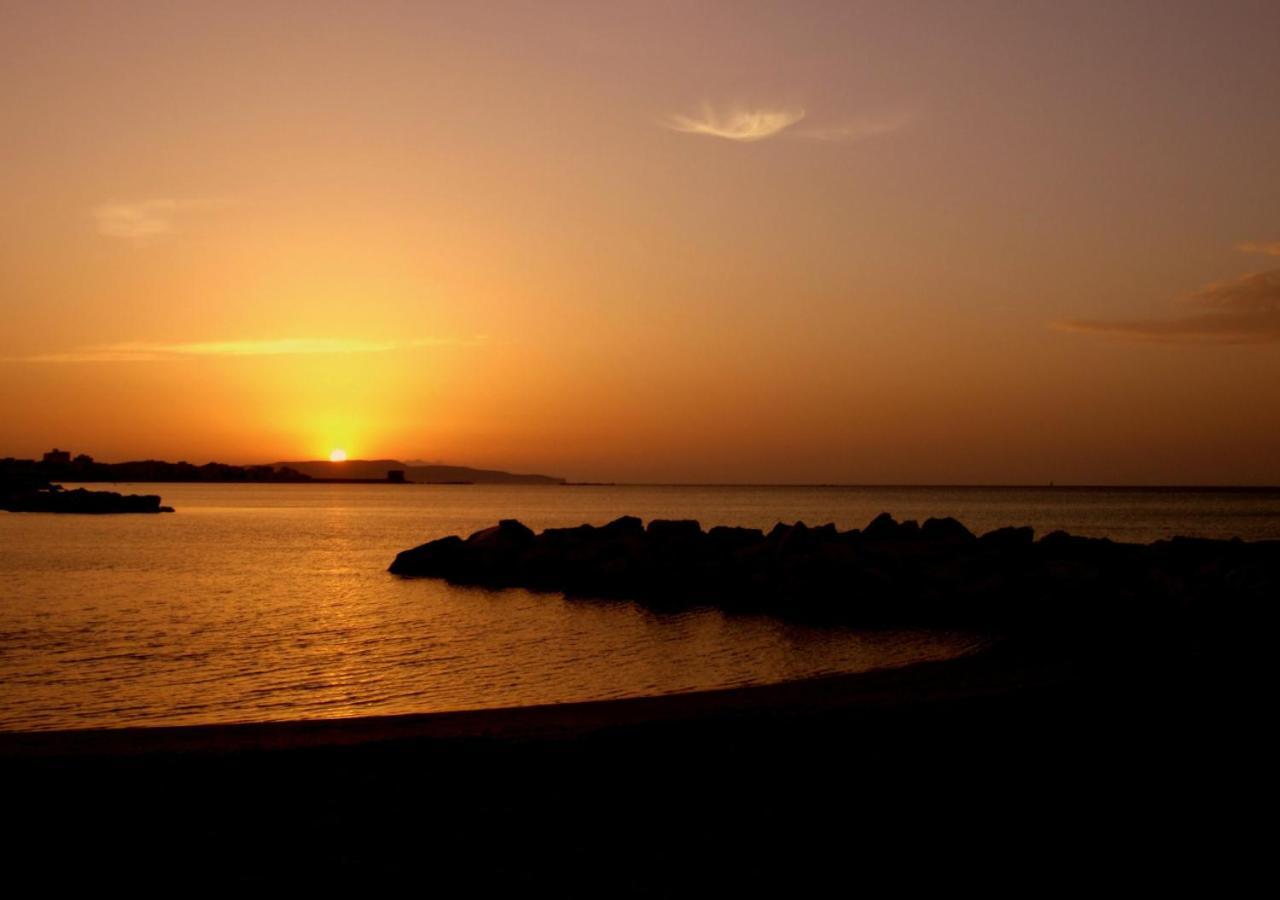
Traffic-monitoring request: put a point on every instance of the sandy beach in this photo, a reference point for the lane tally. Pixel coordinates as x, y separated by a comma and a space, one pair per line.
1003, 751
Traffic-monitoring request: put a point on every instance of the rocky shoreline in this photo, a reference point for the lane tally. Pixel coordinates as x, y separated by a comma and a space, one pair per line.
935, 573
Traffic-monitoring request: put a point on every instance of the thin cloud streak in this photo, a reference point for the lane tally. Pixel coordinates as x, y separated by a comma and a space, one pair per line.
137, 351
1245, 310
746, 125
742, 125
856, 129
140, 221
1266, 248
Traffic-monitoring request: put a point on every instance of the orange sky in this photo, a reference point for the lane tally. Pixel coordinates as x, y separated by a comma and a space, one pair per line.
907, 242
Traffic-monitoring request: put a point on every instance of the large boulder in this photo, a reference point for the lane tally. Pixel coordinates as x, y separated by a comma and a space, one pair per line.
946, 529
724, 538
674, 530
507, 534
1009, 537
883, 527
434, 558
624, 527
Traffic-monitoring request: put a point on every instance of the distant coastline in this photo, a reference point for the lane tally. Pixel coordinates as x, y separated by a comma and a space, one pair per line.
378, 469
60, 466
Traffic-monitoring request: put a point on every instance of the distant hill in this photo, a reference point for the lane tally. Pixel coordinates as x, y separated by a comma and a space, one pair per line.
59, 465
378, 468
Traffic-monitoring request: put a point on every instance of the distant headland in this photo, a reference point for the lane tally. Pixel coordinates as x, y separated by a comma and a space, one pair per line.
379, 469
60, 466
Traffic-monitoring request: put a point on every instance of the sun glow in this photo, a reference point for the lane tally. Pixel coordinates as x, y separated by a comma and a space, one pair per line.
338, 455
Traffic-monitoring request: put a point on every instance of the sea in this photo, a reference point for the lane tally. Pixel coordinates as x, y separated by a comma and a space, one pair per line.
273, 601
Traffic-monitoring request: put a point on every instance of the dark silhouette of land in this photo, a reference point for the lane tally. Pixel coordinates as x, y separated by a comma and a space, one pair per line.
419, 474
60, 465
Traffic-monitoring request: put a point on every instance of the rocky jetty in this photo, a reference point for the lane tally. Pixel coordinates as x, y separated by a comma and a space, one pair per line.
937, 572
28, 495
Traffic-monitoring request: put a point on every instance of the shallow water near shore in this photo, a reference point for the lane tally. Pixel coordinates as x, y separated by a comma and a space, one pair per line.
271, 602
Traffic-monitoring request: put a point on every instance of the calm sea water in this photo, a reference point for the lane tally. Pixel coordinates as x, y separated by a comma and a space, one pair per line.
260, 602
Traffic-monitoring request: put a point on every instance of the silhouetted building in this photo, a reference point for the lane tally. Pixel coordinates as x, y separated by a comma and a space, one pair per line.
395, 475
56, 457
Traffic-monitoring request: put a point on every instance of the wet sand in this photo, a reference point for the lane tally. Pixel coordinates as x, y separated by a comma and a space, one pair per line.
982, 673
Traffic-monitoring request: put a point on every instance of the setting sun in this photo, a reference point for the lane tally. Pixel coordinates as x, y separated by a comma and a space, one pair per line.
338, 455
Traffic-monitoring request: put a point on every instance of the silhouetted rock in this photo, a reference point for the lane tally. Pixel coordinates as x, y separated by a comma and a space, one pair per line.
883, 527
725, 538
439, 558
1060, 540
626, 525
892, 572
1009, 536
827, 532
947, 529
507, 533
784, 537
674, 530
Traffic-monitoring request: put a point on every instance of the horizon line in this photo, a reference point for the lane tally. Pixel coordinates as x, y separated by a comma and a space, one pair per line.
569, 482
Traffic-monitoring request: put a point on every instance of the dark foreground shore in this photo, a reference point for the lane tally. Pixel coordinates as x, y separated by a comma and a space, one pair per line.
1014, 767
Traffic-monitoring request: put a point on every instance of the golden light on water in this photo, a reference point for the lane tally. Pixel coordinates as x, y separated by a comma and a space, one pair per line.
337, 455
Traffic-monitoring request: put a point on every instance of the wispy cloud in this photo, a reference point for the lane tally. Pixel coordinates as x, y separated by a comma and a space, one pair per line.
139, 351
1271, 248
140, 221
856, 129
1243, 310
738, 124
746, 124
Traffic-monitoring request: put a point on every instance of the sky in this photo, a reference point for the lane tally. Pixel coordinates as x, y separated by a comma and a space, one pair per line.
733, 242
